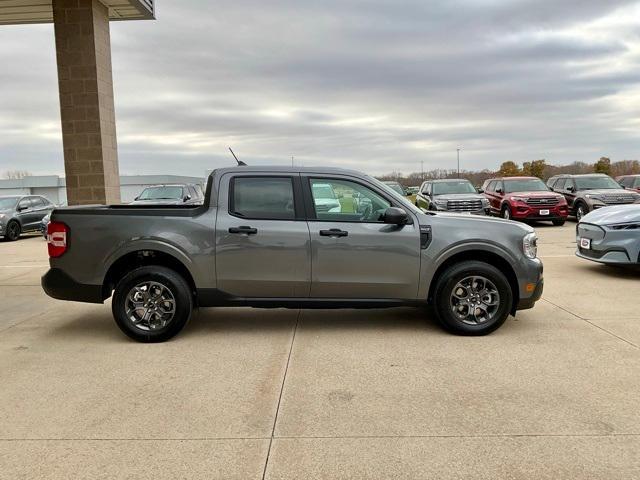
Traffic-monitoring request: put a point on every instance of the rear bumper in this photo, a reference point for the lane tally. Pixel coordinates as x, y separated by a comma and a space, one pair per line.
57, 284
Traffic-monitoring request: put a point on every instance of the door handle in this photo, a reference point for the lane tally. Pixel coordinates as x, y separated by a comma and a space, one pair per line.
333, 232
244, 229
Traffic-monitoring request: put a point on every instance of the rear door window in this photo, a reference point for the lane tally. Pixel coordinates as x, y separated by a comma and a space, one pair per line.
267, 198
36, 202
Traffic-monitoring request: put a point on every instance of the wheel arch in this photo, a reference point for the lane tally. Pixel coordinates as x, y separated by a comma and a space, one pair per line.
140, 258
486, 256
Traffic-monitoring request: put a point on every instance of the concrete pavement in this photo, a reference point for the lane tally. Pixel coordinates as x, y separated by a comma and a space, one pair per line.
284, 394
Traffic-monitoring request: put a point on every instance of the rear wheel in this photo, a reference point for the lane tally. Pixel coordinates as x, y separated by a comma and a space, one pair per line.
472, 298
13, 231
152, 304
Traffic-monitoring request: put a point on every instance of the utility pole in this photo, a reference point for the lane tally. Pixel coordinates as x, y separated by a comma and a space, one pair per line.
458, 150
292, 160
422, 170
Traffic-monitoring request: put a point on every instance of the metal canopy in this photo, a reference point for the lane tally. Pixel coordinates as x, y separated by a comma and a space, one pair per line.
40, 11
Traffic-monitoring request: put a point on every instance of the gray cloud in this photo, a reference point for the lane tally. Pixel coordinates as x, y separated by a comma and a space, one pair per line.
375, 85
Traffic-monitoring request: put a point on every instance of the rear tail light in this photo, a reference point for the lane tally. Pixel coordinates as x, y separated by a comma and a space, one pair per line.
57, 238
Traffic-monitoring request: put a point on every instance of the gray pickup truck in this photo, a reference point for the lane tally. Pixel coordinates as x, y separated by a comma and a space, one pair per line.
261, 239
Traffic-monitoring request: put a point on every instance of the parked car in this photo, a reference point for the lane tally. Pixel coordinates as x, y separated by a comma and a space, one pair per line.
610, 235
453, 195
588, 192
325, 198
258, 240
174, 194
21, 214
397, 187
525, 198
44, 223
412, 190
630, 182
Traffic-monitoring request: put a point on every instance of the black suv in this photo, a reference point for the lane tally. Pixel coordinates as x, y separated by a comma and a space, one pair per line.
587, 192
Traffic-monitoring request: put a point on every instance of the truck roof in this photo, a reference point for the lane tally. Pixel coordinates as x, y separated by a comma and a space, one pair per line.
284, 169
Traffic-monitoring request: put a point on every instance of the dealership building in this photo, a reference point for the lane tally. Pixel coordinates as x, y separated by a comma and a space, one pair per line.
54, 188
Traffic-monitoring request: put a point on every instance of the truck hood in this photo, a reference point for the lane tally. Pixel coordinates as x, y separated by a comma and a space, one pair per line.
534, 194
614, 214
459, 196
475, 221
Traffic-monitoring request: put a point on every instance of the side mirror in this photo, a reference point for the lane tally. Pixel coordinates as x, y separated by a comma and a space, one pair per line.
571, 188
480, 190
186, 198
395, 216
498, 190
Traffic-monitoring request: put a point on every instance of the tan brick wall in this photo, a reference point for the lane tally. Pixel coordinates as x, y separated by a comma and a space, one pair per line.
83, 49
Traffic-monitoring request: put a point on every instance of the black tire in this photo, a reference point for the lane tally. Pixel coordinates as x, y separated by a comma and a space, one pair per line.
13, 231
506, 212
581, 210
444, 291
167, 278
559, 222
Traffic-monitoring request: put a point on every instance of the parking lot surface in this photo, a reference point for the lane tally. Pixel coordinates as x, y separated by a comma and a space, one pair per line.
286, 394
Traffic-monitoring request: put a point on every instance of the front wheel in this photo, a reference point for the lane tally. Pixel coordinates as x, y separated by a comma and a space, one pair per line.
581, 211
152, 304
472, 298
506, 212
13, 231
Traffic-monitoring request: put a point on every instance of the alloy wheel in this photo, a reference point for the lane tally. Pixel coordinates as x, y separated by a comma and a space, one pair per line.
475, 300
150, 306
13, 231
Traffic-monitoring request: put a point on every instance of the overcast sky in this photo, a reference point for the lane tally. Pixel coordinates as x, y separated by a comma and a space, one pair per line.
374, 85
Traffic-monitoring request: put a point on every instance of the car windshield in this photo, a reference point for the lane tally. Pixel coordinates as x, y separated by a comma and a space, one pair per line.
593, 183
161, 193
525, 185
398, 196
323, 190
395, 187
8, 202
459, 186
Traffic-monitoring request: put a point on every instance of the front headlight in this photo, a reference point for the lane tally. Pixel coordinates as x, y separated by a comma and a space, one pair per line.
519, 199
593, 197
530, 245
485, 202
2, 216
441, 203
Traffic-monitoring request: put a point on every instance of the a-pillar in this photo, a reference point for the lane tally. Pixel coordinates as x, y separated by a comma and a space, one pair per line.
85, 82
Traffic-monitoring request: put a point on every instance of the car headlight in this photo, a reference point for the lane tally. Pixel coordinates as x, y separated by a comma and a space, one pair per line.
485, 202
625, 226
530, 245
593, 197
519, 199
441, 203
2, 216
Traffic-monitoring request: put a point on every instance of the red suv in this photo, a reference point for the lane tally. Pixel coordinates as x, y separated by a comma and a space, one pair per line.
630, 182
525, 198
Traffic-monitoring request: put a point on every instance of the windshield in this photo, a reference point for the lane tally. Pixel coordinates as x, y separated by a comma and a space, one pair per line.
593, 183
323, 190
161, 193
8, 202
525, 185
397, 196
395, 187
458, 186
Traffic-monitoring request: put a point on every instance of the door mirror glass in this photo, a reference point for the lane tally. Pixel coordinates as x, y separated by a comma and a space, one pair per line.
395, 216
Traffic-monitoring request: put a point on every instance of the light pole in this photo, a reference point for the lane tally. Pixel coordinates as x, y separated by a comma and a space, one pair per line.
458, 150
422, 170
